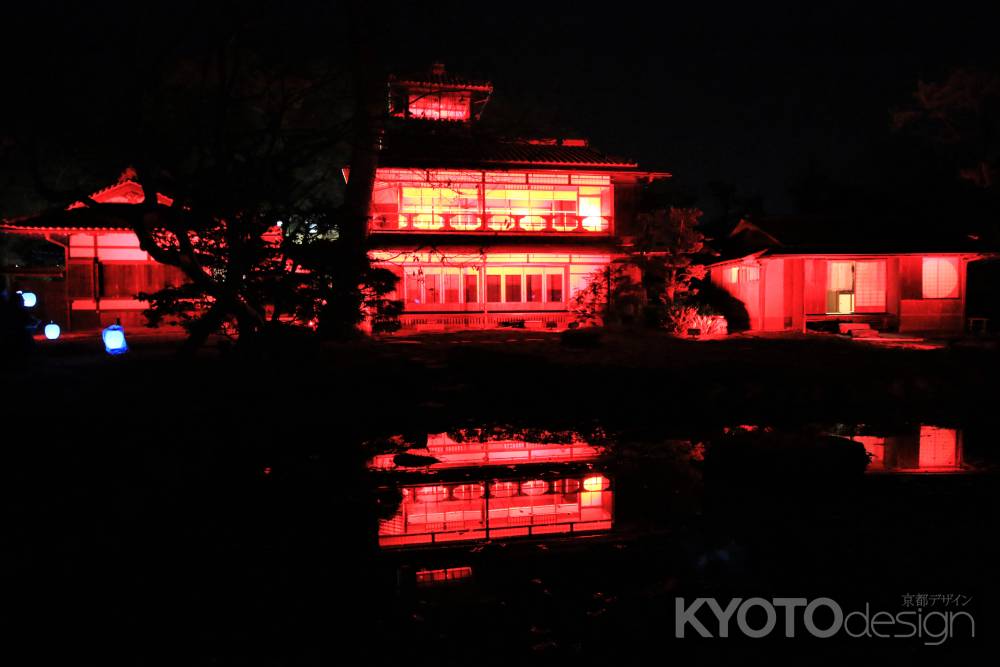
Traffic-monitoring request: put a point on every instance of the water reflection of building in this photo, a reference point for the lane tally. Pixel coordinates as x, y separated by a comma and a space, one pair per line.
451, 453
498, 489
933, 449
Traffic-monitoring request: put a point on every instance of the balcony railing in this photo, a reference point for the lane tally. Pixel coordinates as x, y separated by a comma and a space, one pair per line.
562, 223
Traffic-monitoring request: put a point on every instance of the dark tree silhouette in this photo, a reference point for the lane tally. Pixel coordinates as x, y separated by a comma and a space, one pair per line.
246, 118
961, 115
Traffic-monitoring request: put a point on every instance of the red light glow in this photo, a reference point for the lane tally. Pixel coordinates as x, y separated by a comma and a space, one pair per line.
452, 454
457, 512
443, 575
439, 106
596, 483
938, 448
940, 277
474, 201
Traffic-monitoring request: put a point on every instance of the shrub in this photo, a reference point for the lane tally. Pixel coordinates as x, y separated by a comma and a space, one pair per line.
683, 318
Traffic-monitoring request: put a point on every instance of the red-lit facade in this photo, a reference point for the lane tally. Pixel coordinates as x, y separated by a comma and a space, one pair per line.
932, 449
495, 489
484, 230
103, 267
788, 287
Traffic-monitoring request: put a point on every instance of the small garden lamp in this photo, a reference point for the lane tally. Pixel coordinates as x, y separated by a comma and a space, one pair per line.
29, 299
114, 340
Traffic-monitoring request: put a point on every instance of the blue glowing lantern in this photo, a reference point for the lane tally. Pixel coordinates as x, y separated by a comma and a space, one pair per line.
52, 331
28, 298
114, 339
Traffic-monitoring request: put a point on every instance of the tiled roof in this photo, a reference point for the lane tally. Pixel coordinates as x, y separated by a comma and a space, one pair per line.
79, 217
470, 151
832, 236
438, 77
75, 219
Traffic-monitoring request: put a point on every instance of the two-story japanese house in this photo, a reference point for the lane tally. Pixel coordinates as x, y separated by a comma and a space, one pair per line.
485, 230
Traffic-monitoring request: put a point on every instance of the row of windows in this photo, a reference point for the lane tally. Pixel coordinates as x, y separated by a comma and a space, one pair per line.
451, 177
429, 286
470, 206
742, 274
439, 106
855, 286
860, 285
120, 280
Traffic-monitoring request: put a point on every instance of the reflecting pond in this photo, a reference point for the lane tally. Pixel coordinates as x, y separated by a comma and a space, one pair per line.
474, 485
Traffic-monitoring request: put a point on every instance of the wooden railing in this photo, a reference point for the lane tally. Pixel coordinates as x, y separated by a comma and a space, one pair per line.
474, 223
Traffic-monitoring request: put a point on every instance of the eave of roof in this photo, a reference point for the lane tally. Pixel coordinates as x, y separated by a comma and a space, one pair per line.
425, 240
821, 251
445, 81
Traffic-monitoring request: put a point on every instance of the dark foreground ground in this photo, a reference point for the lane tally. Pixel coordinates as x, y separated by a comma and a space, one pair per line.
217, 510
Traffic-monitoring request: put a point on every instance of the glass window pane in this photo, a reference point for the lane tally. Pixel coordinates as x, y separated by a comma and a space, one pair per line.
513, 288
471, 288
413, 292
555, 288
533, 287
493, 289
450, 287
431, 289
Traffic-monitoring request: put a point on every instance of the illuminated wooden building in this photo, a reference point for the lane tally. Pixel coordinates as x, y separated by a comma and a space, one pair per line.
496, 488
899, 286
101, 268
931, 449
484, 230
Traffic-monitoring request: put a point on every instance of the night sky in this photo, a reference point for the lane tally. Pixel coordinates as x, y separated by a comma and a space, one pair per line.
745, 95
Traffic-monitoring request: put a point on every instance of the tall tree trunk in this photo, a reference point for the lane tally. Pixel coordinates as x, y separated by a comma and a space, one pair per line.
342, 313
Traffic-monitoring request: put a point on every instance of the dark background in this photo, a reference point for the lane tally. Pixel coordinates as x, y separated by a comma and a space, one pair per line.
748, 95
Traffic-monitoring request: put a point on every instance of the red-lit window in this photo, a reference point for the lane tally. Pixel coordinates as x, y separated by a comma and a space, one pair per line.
431, 200
750, 273
444, 575
414, 287
431, 289
733, 274
940, 277
533, 287
511, 508
938, 448
440, 106
840, 287
493, 289
434, 285
429, 285
512, 288
451, 280
869, 286
471, 288
855, 286
555, 288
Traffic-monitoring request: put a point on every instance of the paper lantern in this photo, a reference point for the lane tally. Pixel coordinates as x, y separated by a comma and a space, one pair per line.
52, 331
114, 339
29, 298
